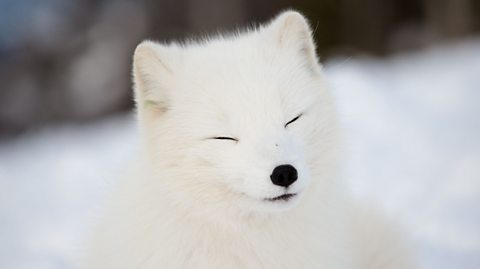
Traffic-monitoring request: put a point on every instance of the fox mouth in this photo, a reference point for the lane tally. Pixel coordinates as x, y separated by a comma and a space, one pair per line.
285, 197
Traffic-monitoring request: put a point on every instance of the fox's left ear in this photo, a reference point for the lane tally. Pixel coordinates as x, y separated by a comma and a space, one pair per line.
290, 29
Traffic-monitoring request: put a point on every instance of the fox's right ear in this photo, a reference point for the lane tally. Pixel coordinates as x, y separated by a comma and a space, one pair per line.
153, 76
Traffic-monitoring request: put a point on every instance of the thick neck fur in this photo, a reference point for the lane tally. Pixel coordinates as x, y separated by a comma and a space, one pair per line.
153, 220
163, 230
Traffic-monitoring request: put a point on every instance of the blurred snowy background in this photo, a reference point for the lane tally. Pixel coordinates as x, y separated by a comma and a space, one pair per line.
405, 74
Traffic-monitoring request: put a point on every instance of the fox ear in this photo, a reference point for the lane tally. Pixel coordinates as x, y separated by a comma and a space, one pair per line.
153, 76
290, 29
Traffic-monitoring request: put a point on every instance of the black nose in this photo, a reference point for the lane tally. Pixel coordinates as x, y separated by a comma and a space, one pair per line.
284, 175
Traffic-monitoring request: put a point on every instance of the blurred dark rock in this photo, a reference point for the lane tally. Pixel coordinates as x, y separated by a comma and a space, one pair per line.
97, 80
70, 67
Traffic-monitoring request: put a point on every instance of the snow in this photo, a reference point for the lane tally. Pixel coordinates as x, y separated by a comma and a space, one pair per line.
411, 126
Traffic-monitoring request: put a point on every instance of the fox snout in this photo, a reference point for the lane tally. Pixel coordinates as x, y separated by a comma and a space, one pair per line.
284, 175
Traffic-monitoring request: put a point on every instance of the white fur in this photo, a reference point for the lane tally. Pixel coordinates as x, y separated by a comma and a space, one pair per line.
197, 202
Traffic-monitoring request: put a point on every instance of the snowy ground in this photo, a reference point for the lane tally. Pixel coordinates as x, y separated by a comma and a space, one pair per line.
412, 124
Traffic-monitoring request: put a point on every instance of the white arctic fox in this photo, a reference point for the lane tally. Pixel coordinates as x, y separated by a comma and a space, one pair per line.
239, 163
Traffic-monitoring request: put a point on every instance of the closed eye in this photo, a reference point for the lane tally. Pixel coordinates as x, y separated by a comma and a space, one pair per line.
293, 120
225, 138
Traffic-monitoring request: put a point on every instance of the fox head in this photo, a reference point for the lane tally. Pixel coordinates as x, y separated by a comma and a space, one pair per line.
240, 122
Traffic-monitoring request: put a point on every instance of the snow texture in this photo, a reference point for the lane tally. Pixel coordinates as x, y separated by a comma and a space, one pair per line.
412, 128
